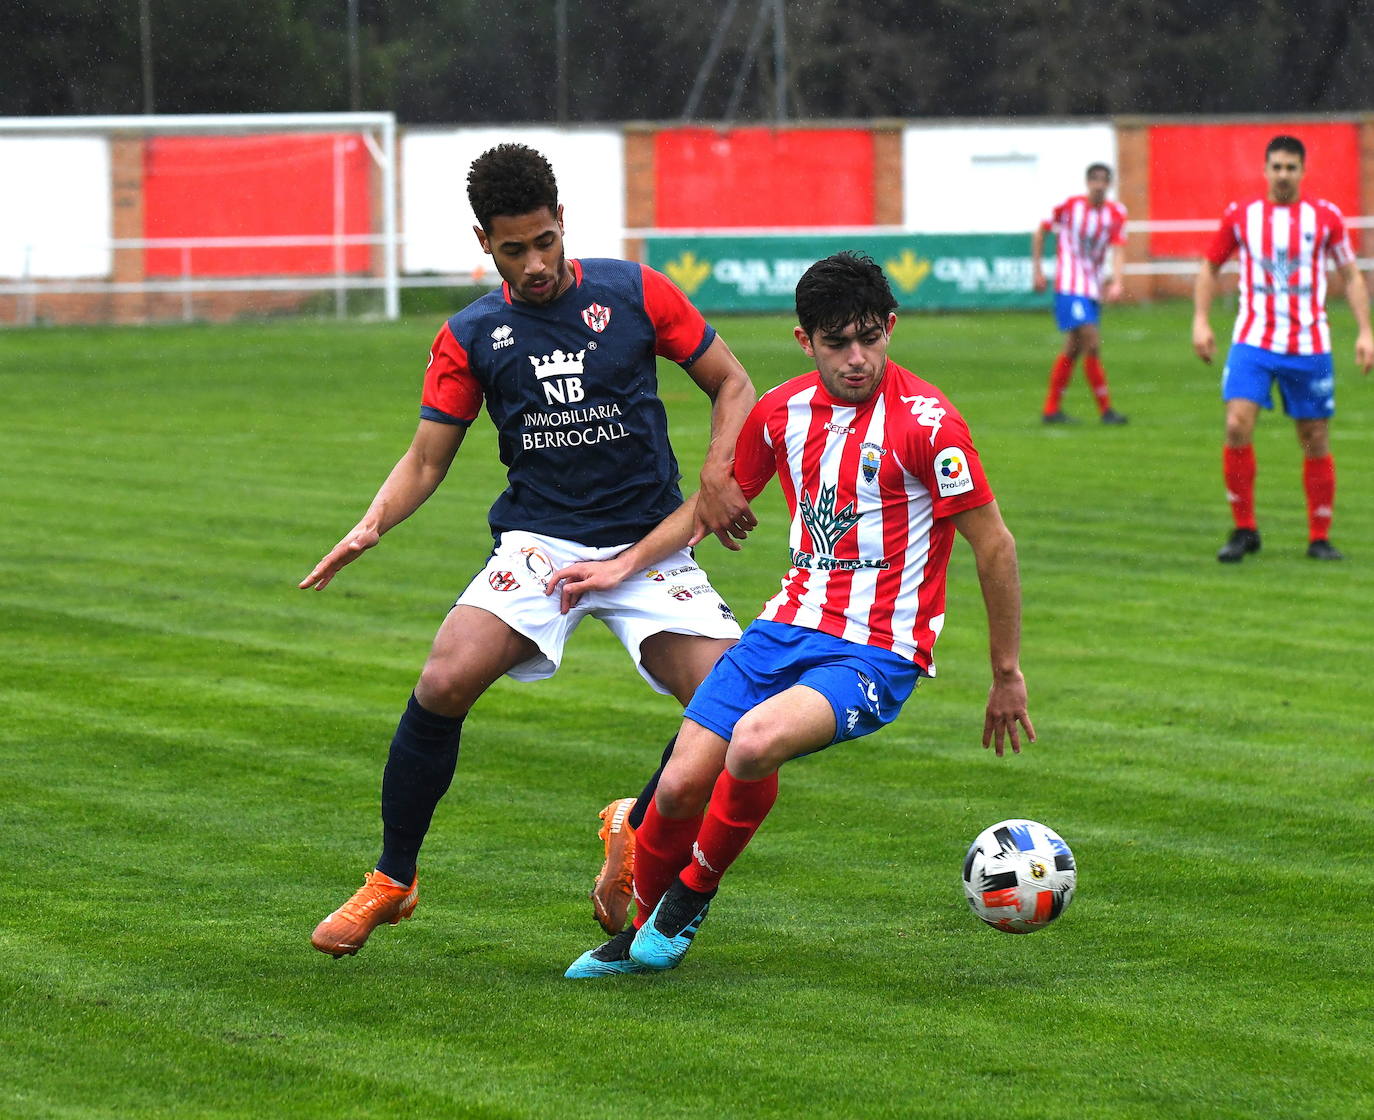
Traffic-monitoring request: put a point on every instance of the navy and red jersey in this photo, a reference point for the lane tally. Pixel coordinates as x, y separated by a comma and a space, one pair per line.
871, 488
572, 388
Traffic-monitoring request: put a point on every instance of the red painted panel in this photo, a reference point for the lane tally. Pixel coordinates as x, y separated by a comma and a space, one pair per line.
763, 177
1197, 169
255, 186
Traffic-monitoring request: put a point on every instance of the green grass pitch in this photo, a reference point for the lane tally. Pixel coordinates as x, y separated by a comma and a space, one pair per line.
191, 749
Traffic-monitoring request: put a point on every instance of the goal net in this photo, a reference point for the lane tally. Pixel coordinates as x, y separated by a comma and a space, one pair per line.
182, 218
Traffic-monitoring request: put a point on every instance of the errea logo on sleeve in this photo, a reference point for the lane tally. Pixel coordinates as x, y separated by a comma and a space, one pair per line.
952, 474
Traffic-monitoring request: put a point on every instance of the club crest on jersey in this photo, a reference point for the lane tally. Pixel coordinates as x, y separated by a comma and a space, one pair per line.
952, 474
870, 459
598, 318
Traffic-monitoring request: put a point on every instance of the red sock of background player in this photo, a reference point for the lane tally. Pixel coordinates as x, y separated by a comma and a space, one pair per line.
663, 847
1238, 468
736, 810
1060, 373
1319, 480
1097, 378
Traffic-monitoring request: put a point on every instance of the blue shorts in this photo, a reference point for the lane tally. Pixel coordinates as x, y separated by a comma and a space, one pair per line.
1307, 382
1075, 311
866, 686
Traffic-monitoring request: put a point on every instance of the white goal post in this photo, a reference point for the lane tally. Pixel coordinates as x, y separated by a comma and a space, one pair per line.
65, 230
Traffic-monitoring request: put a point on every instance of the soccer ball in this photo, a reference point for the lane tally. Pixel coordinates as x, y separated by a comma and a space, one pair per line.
1019, 876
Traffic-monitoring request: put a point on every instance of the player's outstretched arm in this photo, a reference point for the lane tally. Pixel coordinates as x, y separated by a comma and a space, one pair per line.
667, 537
1037, 251
413, 479
1204, 288
1357, 295
994, 552
721, 507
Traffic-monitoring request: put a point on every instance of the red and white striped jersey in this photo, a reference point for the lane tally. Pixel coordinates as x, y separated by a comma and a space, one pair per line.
871, 488
1285, 251
1083, 233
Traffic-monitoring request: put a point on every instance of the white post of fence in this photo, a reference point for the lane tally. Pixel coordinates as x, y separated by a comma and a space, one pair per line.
390, 264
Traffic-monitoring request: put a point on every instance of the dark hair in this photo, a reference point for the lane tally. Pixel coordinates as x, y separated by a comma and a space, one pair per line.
842, 289
510, 179
1286, 144
1094, 168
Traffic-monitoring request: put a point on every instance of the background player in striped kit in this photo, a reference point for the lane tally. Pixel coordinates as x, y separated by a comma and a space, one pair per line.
879, 471
1286, 244
1086, 226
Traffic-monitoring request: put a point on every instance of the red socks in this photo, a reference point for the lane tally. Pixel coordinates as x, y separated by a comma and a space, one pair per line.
736, 810
1319, 481
663, 845
1060, 373
1238, 468
1097, 378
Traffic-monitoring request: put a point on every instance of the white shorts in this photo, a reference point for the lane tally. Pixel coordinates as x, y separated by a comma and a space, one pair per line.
675, 597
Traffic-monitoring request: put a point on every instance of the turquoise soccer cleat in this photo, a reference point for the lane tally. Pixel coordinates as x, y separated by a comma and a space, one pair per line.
610, 959
664, 939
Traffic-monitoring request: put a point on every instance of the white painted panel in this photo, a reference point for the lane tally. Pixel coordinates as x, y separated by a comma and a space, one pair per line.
55, 207
974, 178
437, 221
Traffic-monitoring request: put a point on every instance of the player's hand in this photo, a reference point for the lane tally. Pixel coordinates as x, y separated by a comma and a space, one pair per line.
1115, 290
1006, 714
1038, 281
1204, 342
342, 554
722, 509
574, 581
1364, 352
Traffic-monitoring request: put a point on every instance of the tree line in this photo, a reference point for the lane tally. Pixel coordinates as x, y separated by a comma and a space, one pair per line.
462, 61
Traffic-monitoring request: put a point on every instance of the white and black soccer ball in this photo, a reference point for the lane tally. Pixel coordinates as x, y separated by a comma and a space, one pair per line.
1019, 876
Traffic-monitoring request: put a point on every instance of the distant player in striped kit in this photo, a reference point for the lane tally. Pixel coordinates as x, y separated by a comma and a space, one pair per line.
879, 471
1286, 244
1086, 227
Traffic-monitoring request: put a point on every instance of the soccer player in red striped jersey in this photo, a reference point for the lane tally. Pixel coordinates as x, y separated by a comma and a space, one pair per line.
1286, 245
879, 472
1087, 227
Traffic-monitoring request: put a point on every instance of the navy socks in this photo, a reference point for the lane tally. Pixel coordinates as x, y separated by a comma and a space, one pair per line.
424, 754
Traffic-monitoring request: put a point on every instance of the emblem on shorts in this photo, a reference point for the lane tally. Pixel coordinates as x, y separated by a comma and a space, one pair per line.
851, 720
726, 612
679, 592
503, 581
539, 565
597, 317
655, 575
871, 459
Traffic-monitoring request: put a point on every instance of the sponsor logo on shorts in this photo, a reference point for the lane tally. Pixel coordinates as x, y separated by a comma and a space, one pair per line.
952, 474
725, 611
679, 592
851, 720
655, 575
540, 566
503, 581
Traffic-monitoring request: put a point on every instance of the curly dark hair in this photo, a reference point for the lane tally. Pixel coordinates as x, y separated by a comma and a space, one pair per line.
842, 289
510, 179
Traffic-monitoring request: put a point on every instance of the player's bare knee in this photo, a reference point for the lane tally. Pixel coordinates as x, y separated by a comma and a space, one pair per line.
682, 794
442, 691
755, 751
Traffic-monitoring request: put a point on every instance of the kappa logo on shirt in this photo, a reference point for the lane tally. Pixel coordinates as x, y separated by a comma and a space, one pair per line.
952, 475
928, 413
598, 318
502, 337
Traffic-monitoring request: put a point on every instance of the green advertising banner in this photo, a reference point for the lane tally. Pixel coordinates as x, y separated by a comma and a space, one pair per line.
936, 271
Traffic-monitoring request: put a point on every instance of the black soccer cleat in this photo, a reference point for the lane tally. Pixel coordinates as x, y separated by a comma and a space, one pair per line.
1323, 549
1111, 416
1239, 543
1057, 417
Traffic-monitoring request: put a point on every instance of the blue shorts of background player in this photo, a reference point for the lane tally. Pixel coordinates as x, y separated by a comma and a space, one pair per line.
866, 686
1075, 311
1307, 383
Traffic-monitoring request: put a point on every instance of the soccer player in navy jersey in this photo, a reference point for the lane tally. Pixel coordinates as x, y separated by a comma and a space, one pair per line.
879, 472
562, 355
1286, 244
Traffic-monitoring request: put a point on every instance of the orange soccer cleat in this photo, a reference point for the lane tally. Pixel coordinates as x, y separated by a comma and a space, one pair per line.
346, 930
614, 885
